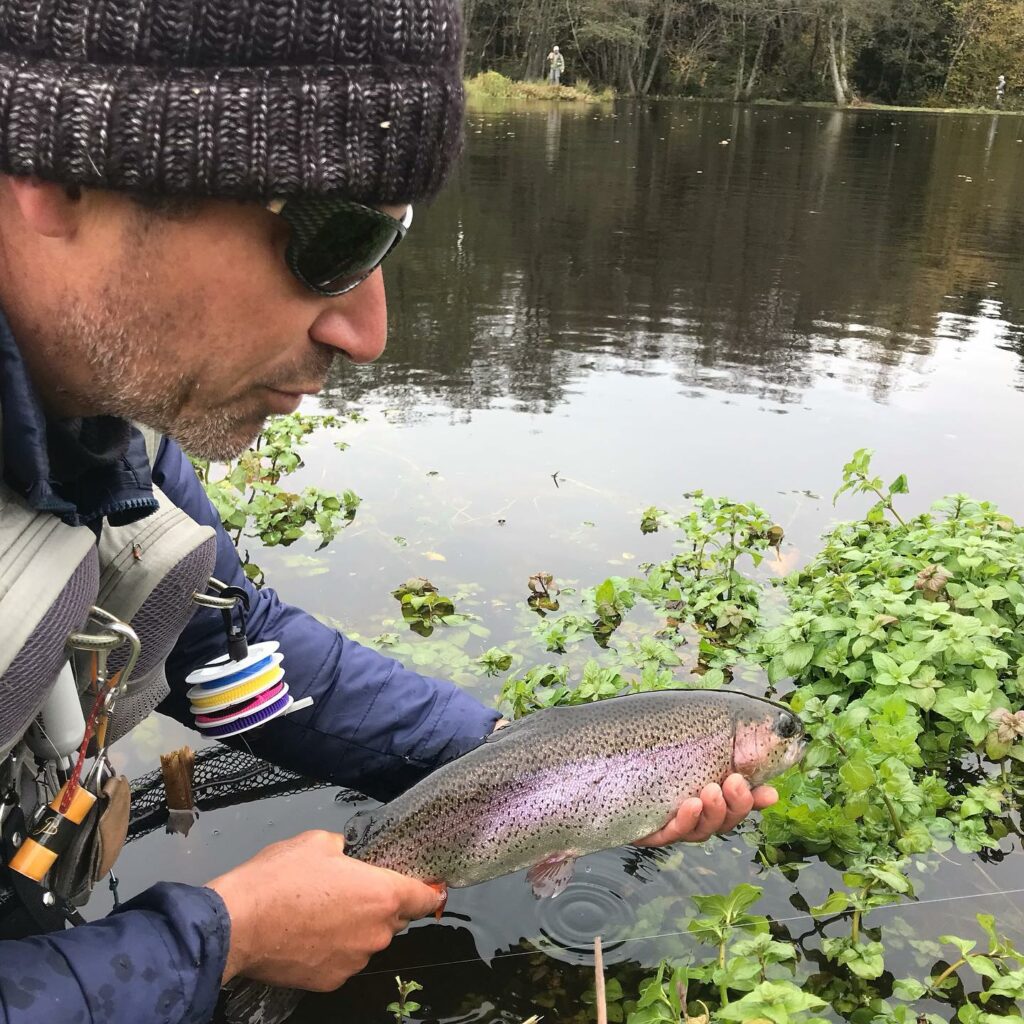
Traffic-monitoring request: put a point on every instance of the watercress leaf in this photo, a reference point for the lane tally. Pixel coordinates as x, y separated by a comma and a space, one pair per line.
908, 988
964, 945
984, 966
797, 657
836, 903
885, 663
857, 774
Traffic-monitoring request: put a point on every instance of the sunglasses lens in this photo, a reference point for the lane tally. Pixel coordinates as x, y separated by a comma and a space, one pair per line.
336, 252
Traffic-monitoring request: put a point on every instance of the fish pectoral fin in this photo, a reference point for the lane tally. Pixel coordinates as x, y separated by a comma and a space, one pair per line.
550, 876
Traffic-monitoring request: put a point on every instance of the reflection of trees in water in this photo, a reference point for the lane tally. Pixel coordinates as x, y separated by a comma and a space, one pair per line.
750, 250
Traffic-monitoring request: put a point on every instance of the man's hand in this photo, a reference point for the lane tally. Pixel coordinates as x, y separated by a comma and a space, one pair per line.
303, 915
717, 809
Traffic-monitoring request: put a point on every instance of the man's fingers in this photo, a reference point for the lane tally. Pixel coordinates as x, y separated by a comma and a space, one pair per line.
765, 796
679, 827
739, 801
712, 818
717, 809
417, 900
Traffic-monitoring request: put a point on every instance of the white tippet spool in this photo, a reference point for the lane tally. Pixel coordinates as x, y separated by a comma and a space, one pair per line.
229, 697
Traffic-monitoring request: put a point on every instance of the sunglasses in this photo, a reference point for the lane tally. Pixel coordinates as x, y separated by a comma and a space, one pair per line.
336, 244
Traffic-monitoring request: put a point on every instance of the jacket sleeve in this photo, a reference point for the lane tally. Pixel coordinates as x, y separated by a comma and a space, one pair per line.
159, 959
374, 726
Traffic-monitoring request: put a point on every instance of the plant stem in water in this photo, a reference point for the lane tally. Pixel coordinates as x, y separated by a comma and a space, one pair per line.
599, 997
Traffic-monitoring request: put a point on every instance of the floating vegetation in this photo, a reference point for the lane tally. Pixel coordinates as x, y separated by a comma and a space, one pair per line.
251, 501
901, 647
422, 606
404, 1007
900, 644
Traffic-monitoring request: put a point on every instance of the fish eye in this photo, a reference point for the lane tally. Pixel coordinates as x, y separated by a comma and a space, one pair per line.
787, 726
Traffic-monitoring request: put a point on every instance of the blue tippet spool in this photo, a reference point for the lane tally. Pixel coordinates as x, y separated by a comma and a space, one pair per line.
223, 689
218, 671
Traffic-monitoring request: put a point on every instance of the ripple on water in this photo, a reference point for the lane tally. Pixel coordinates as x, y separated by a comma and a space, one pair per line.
601, 900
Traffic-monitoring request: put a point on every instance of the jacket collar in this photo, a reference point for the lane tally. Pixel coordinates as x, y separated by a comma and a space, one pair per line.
82, 470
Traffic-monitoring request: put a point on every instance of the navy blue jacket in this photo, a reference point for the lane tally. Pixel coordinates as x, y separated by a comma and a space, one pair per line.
374, 726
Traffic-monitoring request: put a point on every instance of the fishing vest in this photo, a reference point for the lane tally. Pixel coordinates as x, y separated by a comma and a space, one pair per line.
52, 579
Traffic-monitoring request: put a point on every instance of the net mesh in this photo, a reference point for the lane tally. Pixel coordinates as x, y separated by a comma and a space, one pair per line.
222, 777
29, 677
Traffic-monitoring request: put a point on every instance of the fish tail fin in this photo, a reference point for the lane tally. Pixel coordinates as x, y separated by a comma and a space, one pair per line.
253, 1002
361, 829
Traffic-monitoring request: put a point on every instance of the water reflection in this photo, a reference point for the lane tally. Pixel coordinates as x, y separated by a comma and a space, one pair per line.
672, 297
746, 247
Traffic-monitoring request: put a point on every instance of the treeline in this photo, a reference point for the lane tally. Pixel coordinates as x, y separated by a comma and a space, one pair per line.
930, 52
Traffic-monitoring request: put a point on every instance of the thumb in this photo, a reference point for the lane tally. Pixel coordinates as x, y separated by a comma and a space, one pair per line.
417, 899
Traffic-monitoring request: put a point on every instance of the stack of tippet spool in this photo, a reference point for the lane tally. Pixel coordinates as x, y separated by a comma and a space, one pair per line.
229, 697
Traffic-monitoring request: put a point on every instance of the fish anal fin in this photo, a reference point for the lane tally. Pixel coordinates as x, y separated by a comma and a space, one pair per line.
550, 876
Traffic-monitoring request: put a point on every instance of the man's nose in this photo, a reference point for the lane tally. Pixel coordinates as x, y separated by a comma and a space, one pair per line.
356, 323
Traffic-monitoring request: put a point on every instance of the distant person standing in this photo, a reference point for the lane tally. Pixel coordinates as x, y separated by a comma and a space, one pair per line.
556, 65
1000, 90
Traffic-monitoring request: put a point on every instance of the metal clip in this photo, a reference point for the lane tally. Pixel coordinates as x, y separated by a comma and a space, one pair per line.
227, 600
113, 633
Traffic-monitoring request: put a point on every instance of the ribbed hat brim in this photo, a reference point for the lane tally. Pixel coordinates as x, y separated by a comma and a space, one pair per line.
372, 133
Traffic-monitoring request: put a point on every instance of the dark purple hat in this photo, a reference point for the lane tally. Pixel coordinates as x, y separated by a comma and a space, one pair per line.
236, 98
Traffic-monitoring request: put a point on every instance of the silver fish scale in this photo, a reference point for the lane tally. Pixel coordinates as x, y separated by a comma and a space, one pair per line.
574, 780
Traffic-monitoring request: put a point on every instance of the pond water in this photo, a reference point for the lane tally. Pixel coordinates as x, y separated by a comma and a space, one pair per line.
607, 308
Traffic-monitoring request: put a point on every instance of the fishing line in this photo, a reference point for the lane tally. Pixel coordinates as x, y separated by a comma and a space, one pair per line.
669, 935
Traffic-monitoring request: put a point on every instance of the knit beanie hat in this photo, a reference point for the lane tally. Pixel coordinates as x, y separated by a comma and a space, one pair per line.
254, 99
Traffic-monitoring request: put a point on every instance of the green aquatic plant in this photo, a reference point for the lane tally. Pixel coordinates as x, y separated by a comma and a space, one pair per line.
249, 497
904, 645
900, 644
423, 607
749, 979
404, 1007
494, 661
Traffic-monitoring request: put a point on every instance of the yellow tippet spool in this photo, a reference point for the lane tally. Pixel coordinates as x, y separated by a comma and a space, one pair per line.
52, 835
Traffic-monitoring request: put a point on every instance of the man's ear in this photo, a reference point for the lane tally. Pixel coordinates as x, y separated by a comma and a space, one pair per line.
47, 208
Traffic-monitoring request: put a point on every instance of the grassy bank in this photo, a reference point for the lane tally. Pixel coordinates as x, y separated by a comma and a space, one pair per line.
492, 85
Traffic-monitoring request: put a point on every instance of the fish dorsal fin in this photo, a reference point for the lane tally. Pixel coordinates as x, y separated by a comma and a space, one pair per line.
531, 721
513, 728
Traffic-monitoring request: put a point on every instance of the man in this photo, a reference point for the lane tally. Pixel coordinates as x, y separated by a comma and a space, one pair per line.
195, 200
1000, 91
556, 65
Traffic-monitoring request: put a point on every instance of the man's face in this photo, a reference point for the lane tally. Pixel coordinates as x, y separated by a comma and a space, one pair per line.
189, 323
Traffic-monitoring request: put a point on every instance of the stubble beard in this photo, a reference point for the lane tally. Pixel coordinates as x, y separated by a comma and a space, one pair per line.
119, 346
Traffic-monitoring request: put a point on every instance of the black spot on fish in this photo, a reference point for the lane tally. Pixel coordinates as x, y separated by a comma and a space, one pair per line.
149, 975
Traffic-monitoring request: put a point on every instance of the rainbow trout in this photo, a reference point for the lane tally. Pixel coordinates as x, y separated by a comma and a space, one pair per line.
565, 782
556, 785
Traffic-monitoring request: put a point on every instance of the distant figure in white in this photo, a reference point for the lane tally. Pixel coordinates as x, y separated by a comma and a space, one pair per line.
556, 65
1000, 89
